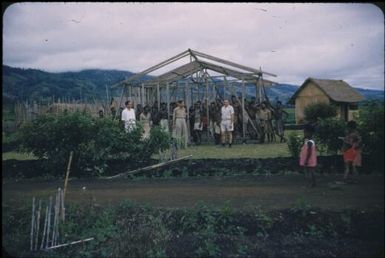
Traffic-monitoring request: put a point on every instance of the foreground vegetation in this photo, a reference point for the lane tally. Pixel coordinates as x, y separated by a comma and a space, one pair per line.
129, 230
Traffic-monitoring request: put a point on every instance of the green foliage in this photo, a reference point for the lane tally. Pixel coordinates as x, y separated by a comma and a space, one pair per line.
142, 231
371, 128
301, 206
327, 132
316, 111
93, 141
291, 115
129, 230
294, 143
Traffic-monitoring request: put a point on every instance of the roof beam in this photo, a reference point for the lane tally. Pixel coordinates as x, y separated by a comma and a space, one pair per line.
231, 63
153, 68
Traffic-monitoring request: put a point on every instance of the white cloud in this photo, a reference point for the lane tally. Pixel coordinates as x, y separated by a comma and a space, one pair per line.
294, 41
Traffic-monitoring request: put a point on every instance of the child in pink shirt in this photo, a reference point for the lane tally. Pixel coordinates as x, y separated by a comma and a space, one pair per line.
308, 155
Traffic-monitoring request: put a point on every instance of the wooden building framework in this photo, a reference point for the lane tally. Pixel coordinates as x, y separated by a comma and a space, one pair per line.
193, 81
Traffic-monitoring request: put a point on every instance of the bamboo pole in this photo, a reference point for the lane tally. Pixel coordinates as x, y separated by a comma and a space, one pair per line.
158, 95
188, 104
148, 168
68, 173
45, 228
207, 106
32, 221
142, 96
58, 217
155, 67
168, 101
54, 222
230, 63
72, 243
62, 205
49, 221
243, 109
37, 225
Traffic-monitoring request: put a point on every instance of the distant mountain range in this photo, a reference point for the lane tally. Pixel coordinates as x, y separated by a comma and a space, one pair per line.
32, 84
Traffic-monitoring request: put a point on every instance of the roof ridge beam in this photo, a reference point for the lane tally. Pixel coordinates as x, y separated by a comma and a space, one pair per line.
230, 63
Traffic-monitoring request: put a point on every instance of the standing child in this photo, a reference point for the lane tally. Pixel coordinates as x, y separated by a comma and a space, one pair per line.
308, 155
351, 150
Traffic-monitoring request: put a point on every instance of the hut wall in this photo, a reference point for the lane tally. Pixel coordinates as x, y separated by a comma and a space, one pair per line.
310, 94
347, 111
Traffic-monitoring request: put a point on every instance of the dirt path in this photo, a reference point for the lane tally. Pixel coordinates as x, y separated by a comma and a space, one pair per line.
241, 192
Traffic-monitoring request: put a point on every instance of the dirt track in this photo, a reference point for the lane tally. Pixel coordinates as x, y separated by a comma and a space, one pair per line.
241, 192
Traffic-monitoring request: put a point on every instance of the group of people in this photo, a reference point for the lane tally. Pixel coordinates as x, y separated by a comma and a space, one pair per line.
258, 121
223, 123
351, 151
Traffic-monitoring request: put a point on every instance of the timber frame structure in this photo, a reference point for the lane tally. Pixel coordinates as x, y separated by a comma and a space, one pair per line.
188, 80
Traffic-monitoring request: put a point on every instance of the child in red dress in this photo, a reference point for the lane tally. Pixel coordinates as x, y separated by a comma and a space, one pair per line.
308, 154
351, 150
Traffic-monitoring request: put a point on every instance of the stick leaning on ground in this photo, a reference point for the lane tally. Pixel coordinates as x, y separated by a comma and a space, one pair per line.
148, 168
72, 243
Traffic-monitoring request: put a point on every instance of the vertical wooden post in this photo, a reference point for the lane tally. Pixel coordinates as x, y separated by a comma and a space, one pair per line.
168, 101
68, 173
207, 107
142, 95
54, 222
37, 225
260, 90
62, 205
243, 108
49, 221
226, 87
187, 101
158, 94
32, 221
45, 228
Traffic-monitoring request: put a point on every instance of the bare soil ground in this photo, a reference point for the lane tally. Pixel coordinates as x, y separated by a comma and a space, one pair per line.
241, 192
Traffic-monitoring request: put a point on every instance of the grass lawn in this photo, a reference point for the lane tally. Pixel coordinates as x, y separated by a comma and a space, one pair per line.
206, 152
237, 151
267, 150
17, 156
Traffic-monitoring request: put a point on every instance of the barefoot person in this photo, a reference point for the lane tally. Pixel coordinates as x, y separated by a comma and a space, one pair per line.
227, 122
308, 155
279, 114
351, 150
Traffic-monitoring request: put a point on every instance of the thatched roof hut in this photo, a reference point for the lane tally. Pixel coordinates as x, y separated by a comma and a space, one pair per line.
336, 92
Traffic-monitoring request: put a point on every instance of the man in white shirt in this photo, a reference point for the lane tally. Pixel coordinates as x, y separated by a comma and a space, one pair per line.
227, 122
128, 116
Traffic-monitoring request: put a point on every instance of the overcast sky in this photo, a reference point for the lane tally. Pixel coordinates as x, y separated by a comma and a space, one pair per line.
294, 41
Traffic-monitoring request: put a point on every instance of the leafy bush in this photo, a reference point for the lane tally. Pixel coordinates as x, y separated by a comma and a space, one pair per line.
316, 111
93, 141
294, 142
371, 128
9, 141
327, 132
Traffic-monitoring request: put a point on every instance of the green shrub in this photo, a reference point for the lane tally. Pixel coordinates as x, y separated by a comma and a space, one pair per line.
327, 132
371, 128
93, 141
294, 142
316, 111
